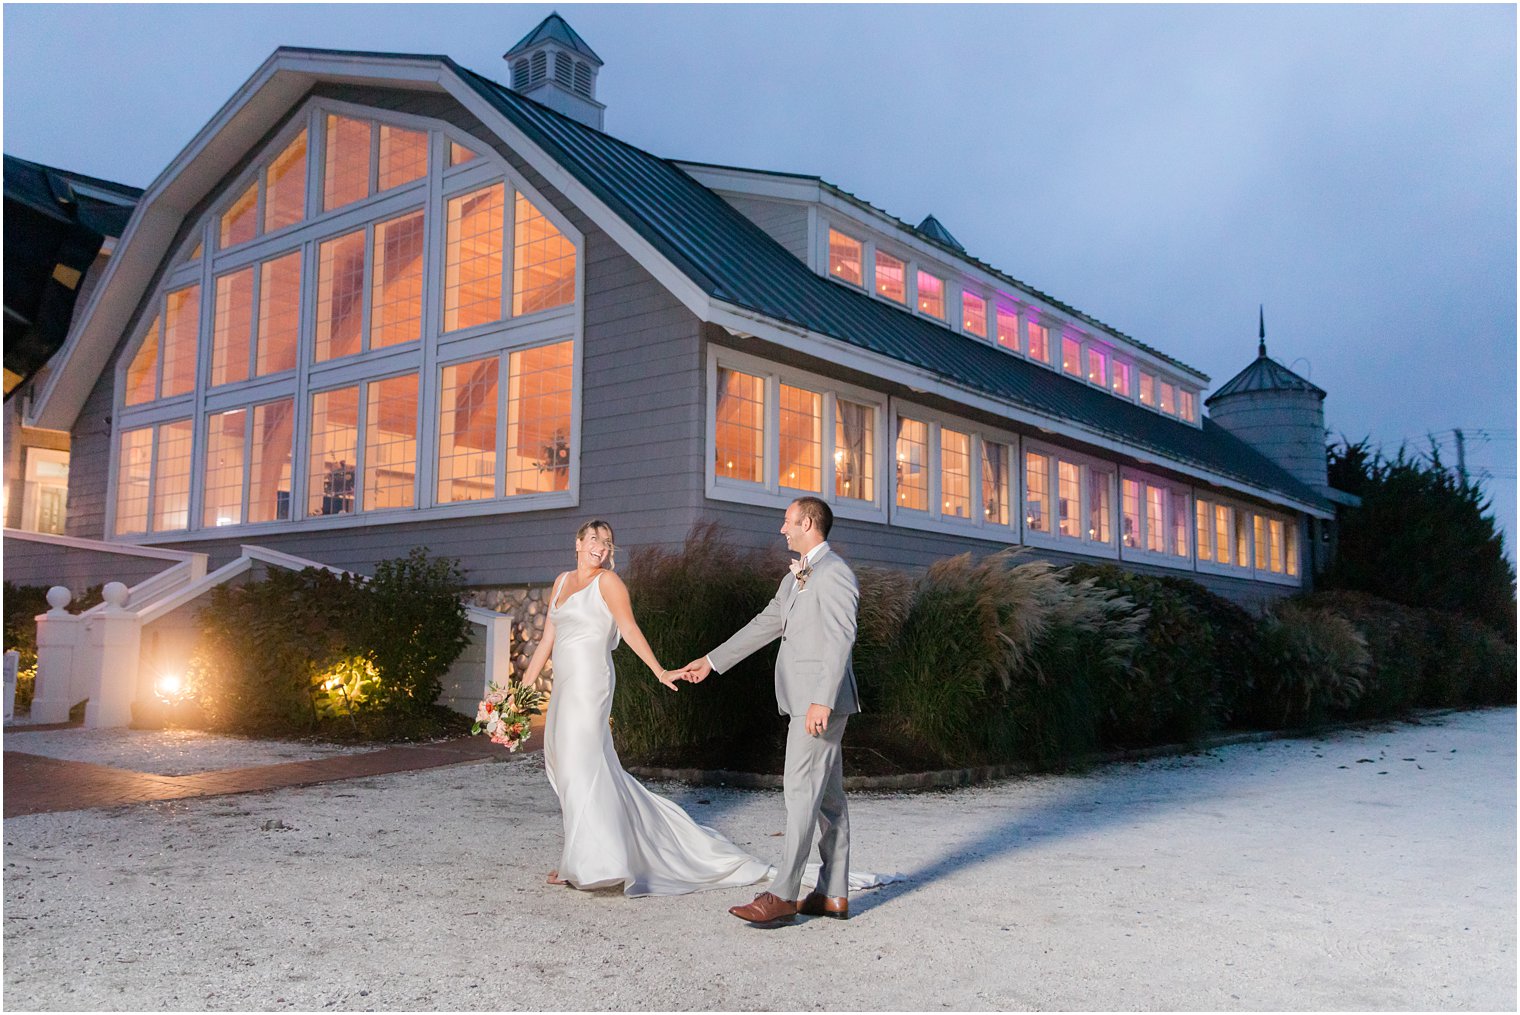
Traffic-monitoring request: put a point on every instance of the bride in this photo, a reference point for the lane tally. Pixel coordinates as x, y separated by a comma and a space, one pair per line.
616, 831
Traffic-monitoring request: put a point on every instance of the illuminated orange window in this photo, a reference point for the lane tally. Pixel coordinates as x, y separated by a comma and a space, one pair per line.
279, 313
1168, 398
538, 419
171, 476
1037, 492
801, 439
543, 262
891, 278
346, 170
467, 419
931, 295
396, 289
226, 440
912, 464
472, 259
459, 154
994, 483
1155, 518
854, 458
285, 186
1147, 389
240, 222
182, 325
1100, 509
1130, 495
232, 329
954, 473
1290, 549
1008, 330
403, 156
1205, 513
1039, 342
390, 443
1071, 356
1187, 407
270, 462
1120, 379
142, 373
1069, 494
1222, 532
845, 257
333, 452
974, 314
340, 296
134, 467
1097, 366
1275, 545
740, 438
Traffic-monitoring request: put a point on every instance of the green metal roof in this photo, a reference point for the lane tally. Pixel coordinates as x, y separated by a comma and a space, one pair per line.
735, 261
555, 29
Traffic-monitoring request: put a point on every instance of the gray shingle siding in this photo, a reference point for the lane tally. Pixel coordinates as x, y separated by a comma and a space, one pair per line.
786, 223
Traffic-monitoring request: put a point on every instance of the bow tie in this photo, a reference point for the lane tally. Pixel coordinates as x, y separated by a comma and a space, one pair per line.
802, 572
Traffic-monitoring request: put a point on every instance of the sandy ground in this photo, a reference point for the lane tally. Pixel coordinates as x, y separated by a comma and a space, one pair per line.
1365, 869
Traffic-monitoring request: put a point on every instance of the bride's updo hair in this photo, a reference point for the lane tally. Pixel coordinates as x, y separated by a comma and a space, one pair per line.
597, 523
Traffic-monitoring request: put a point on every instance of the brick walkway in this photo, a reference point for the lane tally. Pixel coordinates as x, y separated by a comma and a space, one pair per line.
38, 785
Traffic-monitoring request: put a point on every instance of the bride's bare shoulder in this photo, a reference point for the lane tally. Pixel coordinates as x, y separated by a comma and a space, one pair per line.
611, 578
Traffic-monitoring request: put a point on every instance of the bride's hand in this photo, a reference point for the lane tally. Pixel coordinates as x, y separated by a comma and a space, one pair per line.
668, 678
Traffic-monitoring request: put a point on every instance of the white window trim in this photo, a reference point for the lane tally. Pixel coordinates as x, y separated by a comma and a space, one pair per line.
1053, 540
1140, 554
1250, 571
866, 270
934, 519
770, 492
431, 191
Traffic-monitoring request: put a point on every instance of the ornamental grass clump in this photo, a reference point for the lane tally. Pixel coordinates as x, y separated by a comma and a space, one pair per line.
1310, 668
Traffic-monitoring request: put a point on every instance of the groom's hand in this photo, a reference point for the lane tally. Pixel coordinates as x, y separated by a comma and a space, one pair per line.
817, 720
697, 670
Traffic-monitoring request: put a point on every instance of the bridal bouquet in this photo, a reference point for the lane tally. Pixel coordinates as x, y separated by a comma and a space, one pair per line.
504, 714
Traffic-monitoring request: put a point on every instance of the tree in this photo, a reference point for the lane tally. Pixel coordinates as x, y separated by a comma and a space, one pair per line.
1423, 535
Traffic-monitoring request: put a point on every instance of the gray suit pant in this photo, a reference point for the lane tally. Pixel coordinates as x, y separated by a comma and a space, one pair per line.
814, 788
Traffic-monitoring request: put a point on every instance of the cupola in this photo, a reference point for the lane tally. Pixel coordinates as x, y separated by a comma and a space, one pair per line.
554, 66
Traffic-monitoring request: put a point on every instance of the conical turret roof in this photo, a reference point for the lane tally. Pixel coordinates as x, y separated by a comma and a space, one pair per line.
556, 29
932, 228
1264, 374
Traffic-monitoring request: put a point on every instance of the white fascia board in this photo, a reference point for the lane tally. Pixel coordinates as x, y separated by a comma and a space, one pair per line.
125, 549
742, 321
755, 183
252, 110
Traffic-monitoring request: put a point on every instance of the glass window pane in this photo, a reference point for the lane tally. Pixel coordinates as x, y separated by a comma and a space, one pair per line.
974, 314
340, 296
467, 431
240, 221
1069, 489
1186, 406
1039, 342
1242, 538
232, 329
954, 473
285, 186
854, 455
1099, 507
994, 483
1147, 389
1097, 366
1275, 545
801, 439
1121, 382
279, 313
1290, 548
195, 255
538, 419
346, 168
270, 465
1155, 518
390, 443
1131, 505
740, 427
396, 289
1168, 398
459, 154
543, 262
931, 295
403, 156
1071, 356
1222, 532
845, 257
912, 464
891, 278
226, 439
1037, 492
142, 374
1180, 525
1008, 329
1205, 512
472, 267
133, 468
181, 337
171, 476
1259, 531
334, 452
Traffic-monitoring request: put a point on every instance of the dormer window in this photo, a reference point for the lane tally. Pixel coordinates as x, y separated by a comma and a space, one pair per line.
931, 295
974, 314
891, 278
1008, 329
1187, 406
1147, 389
1071, 356
846, 258
1039, 342
1168, 398
1097, 366
1120, 383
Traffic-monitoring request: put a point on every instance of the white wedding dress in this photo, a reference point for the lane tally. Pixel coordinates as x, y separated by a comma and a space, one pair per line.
616, 831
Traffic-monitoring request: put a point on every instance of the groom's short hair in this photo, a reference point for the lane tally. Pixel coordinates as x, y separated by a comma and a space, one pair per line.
816, 511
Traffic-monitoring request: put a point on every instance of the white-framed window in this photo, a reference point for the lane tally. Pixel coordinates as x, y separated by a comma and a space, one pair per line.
1039, 341
1187, 405
891, 277
931, 295
1008, 329
846, 257
1147, 388
1245, 541
294, 360
1155, 519
1120, 381
1071, 356
1168, 398
1068, 499
949, 474
973, 314
775, 433
1097, 365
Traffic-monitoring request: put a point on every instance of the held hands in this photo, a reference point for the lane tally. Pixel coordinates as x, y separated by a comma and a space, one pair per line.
695, 672
669, 678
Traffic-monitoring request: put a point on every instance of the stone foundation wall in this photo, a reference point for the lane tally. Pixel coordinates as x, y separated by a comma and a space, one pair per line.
528, 606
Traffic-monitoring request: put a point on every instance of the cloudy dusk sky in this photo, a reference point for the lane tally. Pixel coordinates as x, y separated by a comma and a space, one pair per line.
1164, 169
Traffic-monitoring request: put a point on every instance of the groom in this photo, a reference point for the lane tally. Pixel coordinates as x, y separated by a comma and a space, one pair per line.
814, 616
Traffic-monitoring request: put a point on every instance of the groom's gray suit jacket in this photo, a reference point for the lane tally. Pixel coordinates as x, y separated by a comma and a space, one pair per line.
816, 625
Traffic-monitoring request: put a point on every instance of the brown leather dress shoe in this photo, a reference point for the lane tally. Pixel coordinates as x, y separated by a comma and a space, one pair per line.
767, 908
819, 904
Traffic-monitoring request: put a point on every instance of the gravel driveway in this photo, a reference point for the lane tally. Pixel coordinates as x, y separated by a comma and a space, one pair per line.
1364, 869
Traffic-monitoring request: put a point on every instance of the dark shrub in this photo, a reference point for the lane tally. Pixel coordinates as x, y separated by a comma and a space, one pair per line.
1309, 668
1398, 639
416, 627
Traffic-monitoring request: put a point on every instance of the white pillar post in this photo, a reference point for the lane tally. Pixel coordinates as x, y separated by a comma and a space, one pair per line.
59, 644
114, 637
